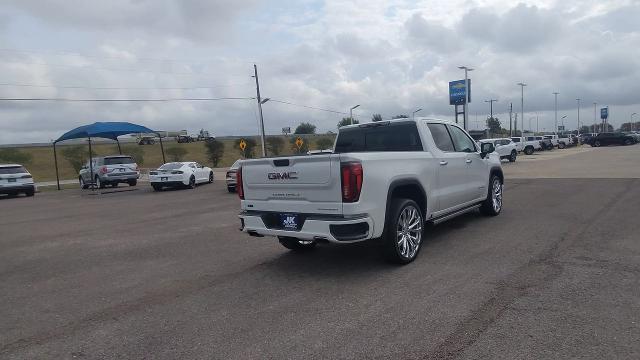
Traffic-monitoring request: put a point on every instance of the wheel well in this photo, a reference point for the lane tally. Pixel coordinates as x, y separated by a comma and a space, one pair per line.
497, 172
410, 191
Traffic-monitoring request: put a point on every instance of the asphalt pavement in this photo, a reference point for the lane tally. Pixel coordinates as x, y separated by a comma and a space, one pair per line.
136, 274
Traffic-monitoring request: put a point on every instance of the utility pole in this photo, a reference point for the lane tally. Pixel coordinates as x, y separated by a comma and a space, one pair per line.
491, 101
515, 124
466, 95
578, 100
595, 119
555, 130
264, 148
510, 122
522, 85
351, 114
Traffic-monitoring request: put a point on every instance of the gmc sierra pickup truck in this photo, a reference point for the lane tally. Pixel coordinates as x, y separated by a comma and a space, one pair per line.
384, 180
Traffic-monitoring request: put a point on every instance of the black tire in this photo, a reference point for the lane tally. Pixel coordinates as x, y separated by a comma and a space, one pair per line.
132, 182
192, 182
156, 187
210, 177
561, 145
492, 206
231, 189
513, 156
295, 244
82, 184
30, 192
528, 150
99, 183
399, 245
628, 142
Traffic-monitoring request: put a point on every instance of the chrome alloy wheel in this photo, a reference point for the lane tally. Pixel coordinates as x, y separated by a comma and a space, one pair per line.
409, 232
496, 195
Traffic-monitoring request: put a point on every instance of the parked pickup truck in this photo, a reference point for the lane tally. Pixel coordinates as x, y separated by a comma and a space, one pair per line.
527, 145
383, 180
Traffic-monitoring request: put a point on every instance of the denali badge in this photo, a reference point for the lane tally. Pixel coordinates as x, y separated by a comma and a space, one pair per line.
283, 176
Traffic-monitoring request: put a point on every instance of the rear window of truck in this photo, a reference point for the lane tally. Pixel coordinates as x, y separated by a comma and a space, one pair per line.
379, 137
12, 170
118, 160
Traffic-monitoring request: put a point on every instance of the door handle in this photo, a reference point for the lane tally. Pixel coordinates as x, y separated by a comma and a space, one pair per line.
443, 163
469, 161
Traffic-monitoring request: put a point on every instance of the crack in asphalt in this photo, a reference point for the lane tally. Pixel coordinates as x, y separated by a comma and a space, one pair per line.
537, 272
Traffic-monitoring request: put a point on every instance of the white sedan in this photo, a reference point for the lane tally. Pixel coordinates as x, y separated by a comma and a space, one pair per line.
180, 174
506, 148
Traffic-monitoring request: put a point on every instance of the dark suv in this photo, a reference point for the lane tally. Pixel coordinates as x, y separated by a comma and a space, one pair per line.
604, 139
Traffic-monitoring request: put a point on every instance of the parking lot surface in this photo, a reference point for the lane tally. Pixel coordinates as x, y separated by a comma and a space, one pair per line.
138, 274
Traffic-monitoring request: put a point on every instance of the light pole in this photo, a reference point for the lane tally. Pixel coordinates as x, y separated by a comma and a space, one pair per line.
491, 101
351, 114
578, 101
595, 120
563, 120
530, 127
466, 94
555, 130
631, 122
522, 85
260, 102
413, 114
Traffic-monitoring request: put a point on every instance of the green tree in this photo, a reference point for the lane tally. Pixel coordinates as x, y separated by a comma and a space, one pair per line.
275, 144
76, 155
324, 143
214, 150
305, 128
400, 116
11, 155
494, 125
249, 151
176, 153
376, 117
347, 121
136, 152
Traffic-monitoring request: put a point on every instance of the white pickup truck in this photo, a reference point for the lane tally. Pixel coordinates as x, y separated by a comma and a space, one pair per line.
527, 145
383, 180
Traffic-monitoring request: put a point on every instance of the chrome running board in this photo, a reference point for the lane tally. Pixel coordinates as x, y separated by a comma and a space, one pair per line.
449, 216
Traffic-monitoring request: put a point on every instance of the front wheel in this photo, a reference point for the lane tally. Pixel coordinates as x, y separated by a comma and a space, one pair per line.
133, 182
513, 156
492, 205
82, 184
561, 146
403, 231
99, 183
528, 150
597, 144
627, 142
296, 244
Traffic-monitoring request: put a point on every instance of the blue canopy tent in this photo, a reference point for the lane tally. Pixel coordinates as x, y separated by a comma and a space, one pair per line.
107, 130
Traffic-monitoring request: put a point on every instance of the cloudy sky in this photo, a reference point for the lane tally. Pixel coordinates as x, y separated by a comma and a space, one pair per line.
391, 57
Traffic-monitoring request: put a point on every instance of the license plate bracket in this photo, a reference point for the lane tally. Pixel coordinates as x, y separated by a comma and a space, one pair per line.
289, 222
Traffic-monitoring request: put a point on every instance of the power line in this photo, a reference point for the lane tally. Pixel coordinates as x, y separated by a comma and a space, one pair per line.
309, 107
126, 100
122, 88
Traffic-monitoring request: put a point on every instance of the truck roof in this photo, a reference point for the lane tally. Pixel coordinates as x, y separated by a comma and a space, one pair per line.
418, 119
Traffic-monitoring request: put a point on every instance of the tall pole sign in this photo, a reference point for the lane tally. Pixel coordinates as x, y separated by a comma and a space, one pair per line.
459, 97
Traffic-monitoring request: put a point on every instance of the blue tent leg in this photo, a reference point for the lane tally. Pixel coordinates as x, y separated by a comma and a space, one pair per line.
55, 159
91, 165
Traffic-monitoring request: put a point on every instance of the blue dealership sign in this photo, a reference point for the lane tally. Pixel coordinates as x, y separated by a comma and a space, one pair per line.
604, 113
457, 91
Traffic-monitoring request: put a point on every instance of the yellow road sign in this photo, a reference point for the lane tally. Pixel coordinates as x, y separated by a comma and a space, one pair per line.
299, 143
243, 144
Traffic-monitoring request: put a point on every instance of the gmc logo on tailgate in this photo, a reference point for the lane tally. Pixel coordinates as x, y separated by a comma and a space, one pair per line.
283, 175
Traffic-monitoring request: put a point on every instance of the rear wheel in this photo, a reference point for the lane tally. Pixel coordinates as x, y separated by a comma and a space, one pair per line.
210, 177
561, 145
492, 206
513, 156
597, 143
99, 183
29, 192
628, 142
296, 244
192, 182
403, 231
231, 189
156, 187
528, 150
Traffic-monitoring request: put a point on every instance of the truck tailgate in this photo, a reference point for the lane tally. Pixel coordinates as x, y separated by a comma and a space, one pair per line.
300, 184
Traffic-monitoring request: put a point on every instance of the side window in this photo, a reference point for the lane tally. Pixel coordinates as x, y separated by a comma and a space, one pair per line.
441, 137
461, 141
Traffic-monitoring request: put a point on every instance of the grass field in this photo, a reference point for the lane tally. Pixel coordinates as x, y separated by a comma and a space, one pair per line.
43, 169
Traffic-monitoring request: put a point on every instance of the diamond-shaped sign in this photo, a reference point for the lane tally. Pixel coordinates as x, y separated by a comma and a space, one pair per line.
299, 143
243, 144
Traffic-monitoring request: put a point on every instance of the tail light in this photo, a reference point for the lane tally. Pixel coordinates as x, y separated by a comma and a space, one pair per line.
239, 186
26, 177
352, 176
177, 172
104, 170
153, 173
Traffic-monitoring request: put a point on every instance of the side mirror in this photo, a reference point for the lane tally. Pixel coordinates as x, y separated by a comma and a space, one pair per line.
486, 148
